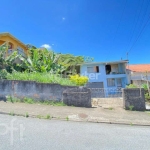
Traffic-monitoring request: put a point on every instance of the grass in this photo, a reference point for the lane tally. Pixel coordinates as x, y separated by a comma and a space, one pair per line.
12, 113
131, 124
28, 100
39, 116
32, 101
67, 118
131, 107
48, 117
12, 99
26, 115
110, 108
44, 117
52, 103
39, 77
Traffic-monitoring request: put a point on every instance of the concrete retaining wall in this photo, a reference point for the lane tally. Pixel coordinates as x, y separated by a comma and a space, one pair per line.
134, 97
31, 89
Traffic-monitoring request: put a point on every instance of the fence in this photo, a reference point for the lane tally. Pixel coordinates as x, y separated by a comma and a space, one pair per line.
106, 92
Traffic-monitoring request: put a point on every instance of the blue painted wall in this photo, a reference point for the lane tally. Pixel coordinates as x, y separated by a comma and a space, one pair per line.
102, 77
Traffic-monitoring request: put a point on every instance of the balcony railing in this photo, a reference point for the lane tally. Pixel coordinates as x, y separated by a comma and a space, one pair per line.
115, 73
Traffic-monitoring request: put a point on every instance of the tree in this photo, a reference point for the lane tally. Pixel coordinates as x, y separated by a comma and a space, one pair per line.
70, 62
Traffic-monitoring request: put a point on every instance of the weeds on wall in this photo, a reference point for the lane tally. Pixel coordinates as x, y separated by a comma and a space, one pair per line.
32, 101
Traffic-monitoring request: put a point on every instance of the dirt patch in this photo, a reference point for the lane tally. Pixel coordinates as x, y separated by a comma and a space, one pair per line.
82, 115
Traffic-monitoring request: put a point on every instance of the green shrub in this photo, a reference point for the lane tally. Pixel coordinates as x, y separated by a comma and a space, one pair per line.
131, 86
3, 74
28, 100
145, 87
79, 80
147, 97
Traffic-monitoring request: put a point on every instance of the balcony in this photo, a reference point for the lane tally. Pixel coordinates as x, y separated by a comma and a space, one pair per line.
116, 75
115, 70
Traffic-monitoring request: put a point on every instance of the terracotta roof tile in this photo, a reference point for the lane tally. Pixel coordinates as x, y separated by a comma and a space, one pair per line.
139, 68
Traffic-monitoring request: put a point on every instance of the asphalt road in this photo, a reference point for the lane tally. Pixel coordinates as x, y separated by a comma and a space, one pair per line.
20, 133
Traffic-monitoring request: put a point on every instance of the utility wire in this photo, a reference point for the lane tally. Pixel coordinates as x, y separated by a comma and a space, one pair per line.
143, 18
136, 22
133, 27
139, 34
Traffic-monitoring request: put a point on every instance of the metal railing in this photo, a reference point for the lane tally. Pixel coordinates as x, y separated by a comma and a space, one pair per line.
106, 92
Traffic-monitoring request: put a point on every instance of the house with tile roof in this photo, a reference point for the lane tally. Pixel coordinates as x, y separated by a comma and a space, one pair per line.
138, 73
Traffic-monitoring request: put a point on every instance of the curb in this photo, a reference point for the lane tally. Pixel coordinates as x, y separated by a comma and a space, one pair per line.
82, 120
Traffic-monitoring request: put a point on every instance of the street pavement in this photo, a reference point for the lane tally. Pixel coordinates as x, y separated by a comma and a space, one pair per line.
20, 133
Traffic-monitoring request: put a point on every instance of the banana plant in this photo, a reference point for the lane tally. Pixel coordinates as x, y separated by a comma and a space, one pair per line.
42, 60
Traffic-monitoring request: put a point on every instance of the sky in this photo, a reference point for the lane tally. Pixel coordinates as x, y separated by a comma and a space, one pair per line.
103, 29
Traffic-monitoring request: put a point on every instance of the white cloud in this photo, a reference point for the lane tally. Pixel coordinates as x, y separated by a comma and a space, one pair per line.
47, 46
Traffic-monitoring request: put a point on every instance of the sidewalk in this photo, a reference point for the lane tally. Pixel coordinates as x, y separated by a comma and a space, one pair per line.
100, 114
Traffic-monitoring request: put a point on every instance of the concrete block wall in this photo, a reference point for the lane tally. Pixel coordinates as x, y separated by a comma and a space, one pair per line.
134, 97
31, 89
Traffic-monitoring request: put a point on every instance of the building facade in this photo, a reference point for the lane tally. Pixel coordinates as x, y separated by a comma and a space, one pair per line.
107, 75
13, 44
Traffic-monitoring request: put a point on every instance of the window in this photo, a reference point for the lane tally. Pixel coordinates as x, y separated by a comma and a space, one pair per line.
110, 82
97, 69
108, 69
20, 51
93, 69
119, 82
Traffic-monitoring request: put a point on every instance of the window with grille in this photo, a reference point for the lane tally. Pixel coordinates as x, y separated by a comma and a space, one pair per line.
119, 82
110, 82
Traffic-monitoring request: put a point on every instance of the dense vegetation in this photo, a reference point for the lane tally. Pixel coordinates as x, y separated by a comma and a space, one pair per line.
41, 65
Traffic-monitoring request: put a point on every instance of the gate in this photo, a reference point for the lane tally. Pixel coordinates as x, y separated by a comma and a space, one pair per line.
106, 92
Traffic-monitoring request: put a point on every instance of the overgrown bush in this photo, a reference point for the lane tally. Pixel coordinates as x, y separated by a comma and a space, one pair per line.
145, 87
40, 77
79, 80
131, 86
